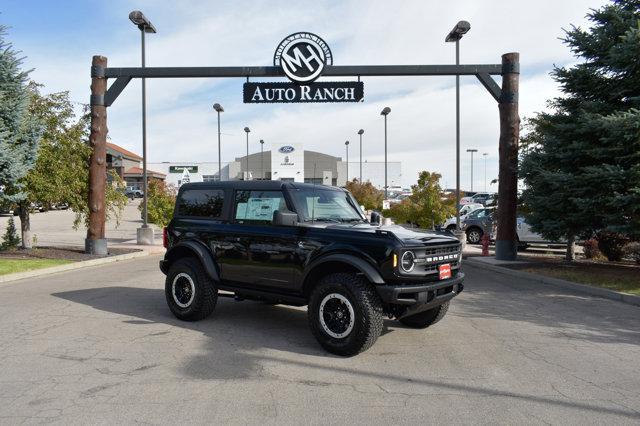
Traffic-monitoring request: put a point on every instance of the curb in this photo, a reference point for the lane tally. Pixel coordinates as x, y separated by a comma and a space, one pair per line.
569, 285
72, 266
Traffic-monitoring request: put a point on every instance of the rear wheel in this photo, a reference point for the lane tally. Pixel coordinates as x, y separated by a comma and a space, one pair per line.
345, 314
190, 293
426, 318
474, 235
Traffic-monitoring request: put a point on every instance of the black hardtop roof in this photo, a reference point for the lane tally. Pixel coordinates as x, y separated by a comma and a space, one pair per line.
255, 184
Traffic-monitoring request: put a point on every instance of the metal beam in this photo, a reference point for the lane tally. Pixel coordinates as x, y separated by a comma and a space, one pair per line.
329, 71
115, 89
490, 84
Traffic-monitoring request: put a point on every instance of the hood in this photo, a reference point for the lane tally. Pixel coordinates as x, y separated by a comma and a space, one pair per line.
406, 236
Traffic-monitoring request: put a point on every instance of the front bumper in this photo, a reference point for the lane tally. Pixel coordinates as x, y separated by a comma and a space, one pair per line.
426, 294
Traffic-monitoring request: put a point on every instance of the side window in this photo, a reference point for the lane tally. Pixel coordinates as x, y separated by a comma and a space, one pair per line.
201, 203
258, 206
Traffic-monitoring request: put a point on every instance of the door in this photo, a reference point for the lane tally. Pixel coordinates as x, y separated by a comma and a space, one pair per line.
265, 254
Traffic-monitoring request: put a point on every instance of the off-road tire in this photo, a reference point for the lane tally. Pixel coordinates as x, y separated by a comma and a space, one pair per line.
367, 308
426, 318
205, 295
474, 235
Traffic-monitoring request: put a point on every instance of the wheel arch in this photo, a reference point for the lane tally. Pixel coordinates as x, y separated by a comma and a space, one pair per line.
196, 250
335, 263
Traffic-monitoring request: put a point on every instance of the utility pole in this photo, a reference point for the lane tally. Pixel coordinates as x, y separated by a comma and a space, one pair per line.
472, 151
247, 130
360, 132
218, 108
484, 154
346, 144
261, 159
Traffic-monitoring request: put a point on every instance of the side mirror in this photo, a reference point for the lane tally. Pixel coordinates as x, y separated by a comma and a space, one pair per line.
285, 218
375, 218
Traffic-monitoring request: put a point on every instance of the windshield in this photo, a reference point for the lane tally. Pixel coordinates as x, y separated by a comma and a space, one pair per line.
326, 205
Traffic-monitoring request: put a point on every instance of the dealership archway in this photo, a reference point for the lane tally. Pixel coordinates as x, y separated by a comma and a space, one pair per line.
506, 95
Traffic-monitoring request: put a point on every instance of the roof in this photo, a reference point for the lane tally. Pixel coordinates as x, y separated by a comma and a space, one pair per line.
264, 185
138, 171
124, 152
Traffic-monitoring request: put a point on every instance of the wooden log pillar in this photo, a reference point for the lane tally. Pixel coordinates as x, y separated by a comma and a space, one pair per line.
95, 243
507, 239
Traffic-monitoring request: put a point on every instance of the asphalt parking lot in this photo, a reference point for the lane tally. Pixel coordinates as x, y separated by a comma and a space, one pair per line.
98, 345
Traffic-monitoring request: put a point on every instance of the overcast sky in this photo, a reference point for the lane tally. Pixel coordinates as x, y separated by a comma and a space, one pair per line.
59, 41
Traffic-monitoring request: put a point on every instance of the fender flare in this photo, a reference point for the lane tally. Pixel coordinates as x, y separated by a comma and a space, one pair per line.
357, 262
200, 251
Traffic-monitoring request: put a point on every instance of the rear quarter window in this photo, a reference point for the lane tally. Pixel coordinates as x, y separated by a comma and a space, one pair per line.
200, 203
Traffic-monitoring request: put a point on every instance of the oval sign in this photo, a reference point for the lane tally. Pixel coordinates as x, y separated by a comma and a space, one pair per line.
286, 149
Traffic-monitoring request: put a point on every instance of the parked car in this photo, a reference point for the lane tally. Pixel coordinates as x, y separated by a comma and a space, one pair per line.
133, 193
302, 244
526, 235
477, 223
450, 224
478, 197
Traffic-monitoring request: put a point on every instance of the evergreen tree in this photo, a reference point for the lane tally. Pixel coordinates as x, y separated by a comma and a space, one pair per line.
581, 161
19, 133
10, 239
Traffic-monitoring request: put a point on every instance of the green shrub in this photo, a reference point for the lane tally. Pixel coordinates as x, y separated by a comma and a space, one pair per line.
612, 244
632, 250
10, 239
161, 199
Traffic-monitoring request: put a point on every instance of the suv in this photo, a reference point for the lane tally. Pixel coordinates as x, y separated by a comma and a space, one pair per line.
303, 244
477, 223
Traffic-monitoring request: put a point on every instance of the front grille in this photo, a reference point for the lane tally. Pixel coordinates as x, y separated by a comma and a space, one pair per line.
428, 258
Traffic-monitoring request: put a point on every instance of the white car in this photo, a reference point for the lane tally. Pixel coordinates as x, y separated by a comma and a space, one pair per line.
450, 224
525, 235
478, 197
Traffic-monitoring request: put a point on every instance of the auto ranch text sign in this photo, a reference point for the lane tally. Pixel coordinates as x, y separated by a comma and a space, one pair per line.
302, 57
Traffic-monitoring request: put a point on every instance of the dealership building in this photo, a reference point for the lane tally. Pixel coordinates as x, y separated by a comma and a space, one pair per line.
287, 162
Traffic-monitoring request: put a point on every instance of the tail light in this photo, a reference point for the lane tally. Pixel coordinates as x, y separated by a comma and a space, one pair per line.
165, 238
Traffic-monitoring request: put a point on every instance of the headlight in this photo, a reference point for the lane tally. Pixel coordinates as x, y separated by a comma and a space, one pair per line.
407, 261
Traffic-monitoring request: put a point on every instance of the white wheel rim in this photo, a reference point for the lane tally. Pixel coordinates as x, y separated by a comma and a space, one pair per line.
345, 307
180, 300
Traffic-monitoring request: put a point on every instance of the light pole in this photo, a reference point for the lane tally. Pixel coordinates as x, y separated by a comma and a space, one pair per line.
484, 154
385, 111
346, 144
218, 108
472, 151
247, 130
360, 132
461, 28
262, 159
145, 26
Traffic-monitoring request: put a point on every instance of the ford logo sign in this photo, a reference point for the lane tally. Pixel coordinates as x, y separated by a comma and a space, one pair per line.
286, 149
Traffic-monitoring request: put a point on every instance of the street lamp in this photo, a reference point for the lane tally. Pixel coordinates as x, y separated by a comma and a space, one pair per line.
461, 28
385, 111
360, 132
247, 130
346, 144
145, 26
262, 159
218, 108
472, 151
485, 170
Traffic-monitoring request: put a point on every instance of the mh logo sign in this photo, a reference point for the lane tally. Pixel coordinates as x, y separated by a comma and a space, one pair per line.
302, 56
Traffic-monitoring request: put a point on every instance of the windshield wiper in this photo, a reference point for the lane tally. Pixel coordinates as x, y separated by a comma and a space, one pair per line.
323, 219
353, 219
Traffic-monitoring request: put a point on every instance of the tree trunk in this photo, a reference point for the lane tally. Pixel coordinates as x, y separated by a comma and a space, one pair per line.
571, 249
25, 225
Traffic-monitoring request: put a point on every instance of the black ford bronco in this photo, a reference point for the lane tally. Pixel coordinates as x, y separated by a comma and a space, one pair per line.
303, 244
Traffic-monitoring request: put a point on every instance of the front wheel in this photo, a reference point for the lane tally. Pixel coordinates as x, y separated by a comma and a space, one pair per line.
426, 318
345, 314
190, 293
